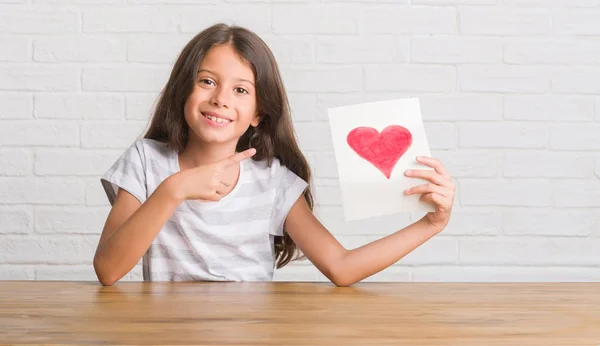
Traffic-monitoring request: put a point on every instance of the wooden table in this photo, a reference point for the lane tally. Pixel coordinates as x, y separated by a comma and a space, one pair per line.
36, 312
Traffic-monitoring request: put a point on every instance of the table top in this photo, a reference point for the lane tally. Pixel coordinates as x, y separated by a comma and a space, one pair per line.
201, 313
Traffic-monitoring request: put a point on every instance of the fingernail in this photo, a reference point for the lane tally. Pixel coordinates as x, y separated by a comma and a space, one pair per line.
408, 172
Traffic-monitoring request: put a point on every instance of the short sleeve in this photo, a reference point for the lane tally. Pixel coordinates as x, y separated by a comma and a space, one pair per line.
127, 173
289, 188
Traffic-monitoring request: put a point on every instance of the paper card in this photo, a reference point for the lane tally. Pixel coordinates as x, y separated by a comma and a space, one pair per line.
374, 144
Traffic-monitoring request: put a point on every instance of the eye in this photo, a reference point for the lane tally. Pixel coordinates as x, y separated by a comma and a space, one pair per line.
241, 90
206, 81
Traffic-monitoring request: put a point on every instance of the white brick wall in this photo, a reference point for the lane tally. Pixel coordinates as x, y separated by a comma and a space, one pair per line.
510, 93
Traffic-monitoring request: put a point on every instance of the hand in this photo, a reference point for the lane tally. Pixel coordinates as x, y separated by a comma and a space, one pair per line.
440, 191
208, 182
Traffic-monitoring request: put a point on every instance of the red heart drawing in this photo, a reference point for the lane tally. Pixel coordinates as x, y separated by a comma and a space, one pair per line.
382, 150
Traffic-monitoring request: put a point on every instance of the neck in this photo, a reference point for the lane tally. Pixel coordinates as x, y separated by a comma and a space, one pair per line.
197, 153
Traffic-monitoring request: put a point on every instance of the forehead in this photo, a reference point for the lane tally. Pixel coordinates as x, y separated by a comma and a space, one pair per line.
225, 61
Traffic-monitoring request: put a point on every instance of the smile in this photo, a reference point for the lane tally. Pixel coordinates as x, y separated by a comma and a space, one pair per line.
216, 120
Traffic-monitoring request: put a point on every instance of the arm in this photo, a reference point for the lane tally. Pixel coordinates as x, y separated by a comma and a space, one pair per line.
345, 267
131, 226
129, 231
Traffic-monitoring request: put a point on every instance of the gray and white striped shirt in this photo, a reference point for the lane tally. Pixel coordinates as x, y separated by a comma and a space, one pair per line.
228, 240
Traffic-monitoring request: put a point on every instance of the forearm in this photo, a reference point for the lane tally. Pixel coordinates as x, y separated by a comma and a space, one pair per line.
362, 262
124, 248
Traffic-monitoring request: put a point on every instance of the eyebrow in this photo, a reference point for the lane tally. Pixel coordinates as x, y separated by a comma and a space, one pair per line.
212, 72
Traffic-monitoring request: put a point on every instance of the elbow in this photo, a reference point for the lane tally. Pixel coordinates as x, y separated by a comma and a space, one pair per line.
105, 277
341, 280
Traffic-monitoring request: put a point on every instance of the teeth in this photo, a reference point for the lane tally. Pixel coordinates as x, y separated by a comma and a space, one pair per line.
218, 120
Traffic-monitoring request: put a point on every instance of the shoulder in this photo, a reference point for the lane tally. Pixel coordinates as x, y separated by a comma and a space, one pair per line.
273, 171
151, 147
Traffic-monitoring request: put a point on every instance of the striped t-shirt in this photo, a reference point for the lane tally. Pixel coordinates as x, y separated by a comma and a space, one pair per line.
228, 240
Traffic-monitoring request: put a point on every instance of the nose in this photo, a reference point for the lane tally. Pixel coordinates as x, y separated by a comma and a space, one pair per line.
219, 98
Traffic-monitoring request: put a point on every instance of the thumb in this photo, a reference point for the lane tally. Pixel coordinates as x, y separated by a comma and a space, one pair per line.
237, 157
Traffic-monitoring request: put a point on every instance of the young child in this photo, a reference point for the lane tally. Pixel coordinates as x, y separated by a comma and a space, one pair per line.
218, 190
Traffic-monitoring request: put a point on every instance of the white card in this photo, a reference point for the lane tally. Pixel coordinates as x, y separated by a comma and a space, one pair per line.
371, 170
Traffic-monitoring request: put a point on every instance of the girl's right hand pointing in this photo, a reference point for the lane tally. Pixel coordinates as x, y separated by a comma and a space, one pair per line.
208, 182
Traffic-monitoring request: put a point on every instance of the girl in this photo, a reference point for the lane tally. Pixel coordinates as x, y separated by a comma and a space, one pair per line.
217, 190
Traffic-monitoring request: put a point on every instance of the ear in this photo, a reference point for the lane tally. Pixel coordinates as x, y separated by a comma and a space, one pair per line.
256, 119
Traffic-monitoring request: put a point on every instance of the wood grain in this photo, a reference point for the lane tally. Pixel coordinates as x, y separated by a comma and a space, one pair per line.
36, 312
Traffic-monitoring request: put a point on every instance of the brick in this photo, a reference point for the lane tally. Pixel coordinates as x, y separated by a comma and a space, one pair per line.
76, 272
575, 136
39, 133
29, 249
83, 220
131, 20
512, 274
507, 79
252, 16
548, 108
327, 194
597, 109
143, 48
323, 18
529, 251
57, 191
440, 135
291, 49
552, 3
455, 50
303, 107
74, 161
580, 193
552, 52
329, 100
36, 21
332, 217
79, 2
579, 80
473, 223
536, 163
15, 162
38, 78
474, 163
16, 105
79, 49
512, 193
16, 272
503, 21
330, 79
94, 193
454, 2
597, 160
16, 219
547, 223
326, 165
371, 49
145, 79
502, 135
170, 2
140, 106
410, 78
409, 20
78, 106
14, 49
461, 107
114, 135
576, 22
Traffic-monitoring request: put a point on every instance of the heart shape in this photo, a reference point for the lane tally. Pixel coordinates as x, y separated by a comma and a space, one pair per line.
381, 150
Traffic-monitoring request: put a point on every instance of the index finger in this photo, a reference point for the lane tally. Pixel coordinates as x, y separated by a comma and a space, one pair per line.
237, 157
436, 164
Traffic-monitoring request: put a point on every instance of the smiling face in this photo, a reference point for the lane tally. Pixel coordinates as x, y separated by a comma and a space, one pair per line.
223, 103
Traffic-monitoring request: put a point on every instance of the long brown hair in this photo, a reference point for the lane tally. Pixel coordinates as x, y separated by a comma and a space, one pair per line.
274, 137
